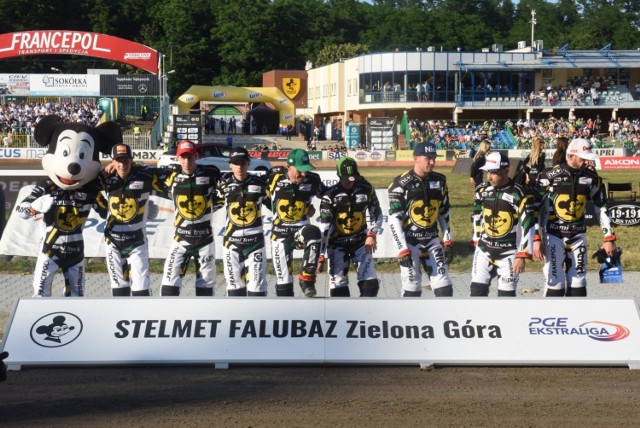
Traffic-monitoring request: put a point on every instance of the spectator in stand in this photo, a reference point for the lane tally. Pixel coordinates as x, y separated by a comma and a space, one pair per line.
611, 128
21, 118
636, 147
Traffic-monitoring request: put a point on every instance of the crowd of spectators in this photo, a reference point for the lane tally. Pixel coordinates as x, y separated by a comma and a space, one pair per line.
21, 118
449, 136
578, 91
619, 132
338, 148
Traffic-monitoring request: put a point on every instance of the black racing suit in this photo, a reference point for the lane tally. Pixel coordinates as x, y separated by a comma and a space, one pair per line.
245, 258
343, 223
126, 211
193, 197
504, 226
564, 193
416, 207
290, 204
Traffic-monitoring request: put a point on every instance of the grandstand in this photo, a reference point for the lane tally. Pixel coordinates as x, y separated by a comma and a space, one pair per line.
19, 115
460, 87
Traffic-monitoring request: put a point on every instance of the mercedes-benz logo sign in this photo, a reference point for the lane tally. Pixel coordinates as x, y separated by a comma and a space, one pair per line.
142, 88
56, 329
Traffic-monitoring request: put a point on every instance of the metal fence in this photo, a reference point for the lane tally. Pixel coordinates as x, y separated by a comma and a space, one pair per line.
138, 142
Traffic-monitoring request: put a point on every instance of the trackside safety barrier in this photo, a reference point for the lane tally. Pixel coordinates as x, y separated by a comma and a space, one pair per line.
223, 331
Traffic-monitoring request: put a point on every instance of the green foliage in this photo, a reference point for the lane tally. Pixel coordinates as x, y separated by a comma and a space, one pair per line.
333, 53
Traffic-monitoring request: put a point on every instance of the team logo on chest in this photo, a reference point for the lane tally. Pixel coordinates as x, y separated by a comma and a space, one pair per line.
191, 207
243, 213
68, 218
423, 215
290, 211
123, 209
349, 222
496, 223
570, 210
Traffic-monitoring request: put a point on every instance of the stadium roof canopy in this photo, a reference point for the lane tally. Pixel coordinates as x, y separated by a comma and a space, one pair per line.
564, 58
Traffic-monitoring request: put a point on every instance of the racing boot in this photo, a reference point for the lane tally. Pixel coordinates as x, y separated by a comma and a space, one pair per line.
204, 291
369, 287
446, 291
284, 290
237, 291
340, 292
577, 292
121, 291
478, 289
169, 290
308, 284
554, 293
3, 367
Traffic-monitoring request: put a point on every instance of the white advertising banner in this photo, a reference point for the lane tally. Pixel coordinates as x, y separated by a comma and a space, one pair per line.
21, 237
37, 152
355, 331
16, 84
613, 151
65, 84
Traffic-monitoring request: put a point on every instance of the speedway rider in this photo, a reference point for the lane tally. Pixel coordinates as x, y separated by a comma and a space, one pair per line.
290, 191
345, 235
245, 258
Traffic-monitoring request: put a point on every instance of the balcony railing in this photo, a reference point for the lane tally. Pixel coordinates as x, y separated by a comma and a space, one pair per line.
490, 99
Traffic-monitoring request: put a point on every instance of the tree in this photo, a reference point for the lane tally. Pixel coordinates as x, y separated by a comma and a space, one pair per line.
244, 38
334, 52
300, 32
184, 25
609, 25
123, 18
30, 15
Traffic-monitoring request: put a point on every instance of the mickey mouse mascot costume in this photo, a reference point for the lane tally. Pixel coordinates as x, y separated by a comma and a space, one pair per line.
65, 199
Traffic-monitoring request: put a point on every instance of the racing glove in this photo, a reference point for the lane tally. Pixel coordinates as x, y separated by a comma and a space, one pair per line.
448, 252
404, 258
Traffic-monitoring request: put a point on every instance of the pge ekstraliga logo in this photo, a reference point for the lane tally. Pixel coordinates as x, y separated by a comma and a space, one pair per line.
56, 329
560, 326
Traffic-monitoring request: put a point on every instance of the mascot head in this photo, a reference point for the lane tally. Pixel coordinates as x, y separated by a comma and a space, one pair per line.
73, 156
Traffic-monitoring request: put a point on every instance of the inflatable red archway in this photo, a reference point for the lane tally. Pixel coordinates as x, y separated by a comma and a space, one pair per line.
66, 42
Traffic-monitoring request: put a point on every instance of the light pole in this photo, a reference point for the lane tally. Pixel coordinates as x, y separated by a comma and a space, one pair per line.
533, 27
57, 70
163, 99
